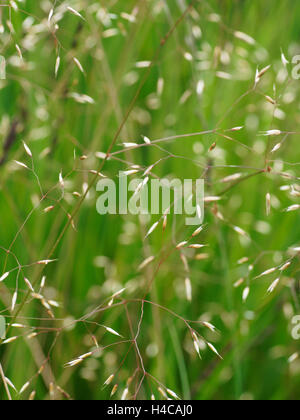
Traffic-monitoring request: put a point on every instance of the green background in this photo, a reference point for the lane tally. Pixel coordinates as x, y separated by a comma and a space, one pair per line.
254, 337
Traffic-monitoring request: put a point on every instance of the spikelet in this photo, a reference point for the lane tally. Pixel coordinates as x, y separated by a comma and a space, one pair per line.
109, 380
197, 231
24, 387
267, 272
188, 289
32, 396
152, 229
294, 207
272, 133
210, 326
244, 37
125, 394
285, 266
114, 390
268, 204
246, 293
145, 263
273, 285
146, 140
10, 340
4, 276
173, 394
238, 283
74, 12
50, 15
196, 246
57, 65
29, 285
19, 51
214, 350
293, 358
21, 164
110, 330
181, 245
78, 64
27, 150
14, 301
196, 344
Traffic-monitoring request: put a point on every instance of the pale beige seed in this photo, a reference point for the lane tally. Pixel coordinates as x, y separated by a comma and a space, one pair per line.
181, 245
273, 286
29, 285
211, 199
212, 347
10, 384
237, 128
268, 204
284, 59
285, 266
197, 231
78, 64
14, 301
210, 326
152, 229
173, 394
243, 260
196, 246
238, 283
10, 340
21, 164
146, 140
31, 336
231, 178
244, 37
5, 275
145, 263
272, 133
263, 71
27, 150
201, 257
240, 231
293, 358
19, 51
114, 390
109, 380
162, 392
75, 12
119, 292
50, 15
32, 396
165, 222
24, 387
294, 207
267, 272
271, 100
57, 65
185, 262
125, 394
246, 293
110, 330
188, 289
49, 209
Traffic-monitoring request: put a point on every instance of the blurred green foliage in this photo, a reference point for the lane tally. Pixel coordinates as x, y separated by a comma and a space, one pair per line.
100, 255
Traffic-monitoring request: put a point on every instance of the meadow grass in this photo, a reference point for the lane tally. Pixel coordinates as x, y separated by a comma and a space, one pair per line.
97, 307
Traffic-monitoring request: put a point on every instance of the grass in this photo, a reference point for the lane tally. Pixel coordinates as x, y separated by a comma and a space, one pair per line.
159, 69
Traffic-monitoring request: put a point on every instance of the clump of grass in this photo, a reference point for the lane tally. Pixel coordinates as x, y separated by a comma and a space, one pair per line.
98, 89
